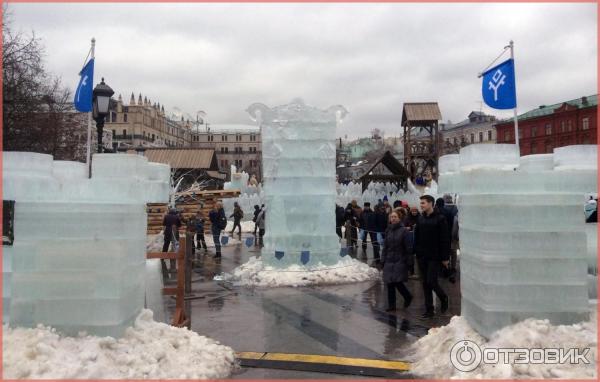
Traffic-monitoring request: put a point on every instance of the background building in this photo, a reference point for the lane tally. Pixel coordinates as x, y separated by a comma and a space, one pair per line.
143, 124
238, 145
477, 128
541, 130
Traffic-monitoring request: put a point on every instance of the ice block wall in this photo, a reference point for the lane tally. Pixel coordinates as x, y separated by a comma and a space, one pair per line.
522, 233
78, 258
299, 185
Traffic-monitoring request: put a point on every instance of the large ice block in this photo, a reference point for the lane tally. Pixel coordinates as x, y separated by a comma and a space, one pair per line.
298, 143
78, 258
525, 251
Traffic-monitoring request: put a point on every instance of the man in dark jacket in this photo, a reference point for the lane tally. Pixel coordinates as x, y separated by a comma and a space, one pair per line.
256, 212
218, 222
368, 223
339, 220
237, 216
432, 246
171, 224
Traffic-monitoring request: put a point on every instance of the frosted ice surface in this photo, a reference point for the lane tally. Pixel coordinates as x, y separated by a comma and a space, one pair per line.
536, 163
449, 164
78, 259
486, 156
298, 144
68, 170
576, 157
524, 247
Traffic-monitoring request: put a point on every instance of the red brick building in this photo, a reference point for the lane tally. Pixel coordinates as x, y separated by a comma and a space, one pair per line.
541, 130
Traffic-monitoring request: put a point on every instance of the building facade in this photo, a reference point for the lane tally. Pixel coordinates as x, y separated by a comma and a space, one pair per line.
567, 123
143, 124
477, 128
238, 145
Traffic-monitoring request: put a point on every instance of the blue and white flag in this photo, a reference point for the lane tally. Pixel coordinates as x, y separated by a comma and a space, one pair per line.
304, 257
498, 88
83, 94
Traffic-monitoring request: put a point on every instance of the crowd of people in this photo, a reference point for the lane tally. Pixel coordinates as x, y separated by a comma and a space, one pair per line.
401, 236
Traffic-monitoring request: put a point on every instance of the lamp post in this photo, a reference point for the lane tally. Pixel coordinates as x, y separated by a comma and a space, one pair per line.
101, 101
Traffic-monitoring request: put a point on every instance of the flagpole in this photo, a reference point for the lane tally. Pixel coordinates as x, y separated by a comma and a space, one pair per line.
89, 129
512, 56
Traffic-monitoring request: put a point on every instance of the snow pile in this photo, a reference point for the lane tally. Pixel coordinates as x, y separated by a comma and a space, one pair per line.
347, 270
432, 352
147, 350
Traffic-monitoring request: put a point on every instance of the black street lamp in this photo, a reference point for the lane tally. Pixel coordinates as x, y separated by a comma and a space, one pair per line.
101, 101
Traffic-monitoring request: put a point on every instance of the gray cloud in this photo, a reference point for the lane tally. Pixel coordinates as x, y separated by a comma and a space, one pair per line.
369, 57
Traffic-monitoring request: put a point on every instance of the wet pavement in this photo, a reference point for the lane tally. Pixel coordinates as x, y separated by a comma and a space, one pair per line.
342, 320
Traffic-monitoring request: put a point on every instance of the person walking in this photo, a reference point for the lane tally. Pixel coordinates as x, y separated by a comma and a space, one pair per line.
237, 216
339, 220
200, 242
171, 224
368, 224
218, 223
350, 218
381, 223
432, 246
256, 212
396, 260
260, 221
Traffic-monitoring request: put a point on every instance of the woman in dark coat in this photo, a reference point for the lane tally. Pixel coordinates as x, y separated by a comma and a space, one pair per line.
396, 259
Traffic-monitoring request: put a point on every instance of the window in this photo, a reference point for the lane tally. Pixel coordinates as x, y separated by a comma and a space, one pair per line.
520, 133
114, 133
562, 126
481, 136
533, 149
124, 133
454, 140
507, 136
489, 135
472, 138
533, 132
152, 137
549, 147
585, 124
252, 137
124, 117
238, 137
238, 163
569, 126
113, 117
548, 129
211, 138
238, 150
224, 137
224, 150
253, 149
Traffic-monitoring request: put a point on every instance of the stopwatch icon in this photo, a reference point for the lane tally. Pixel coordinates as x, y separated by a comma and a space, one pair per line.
465, 355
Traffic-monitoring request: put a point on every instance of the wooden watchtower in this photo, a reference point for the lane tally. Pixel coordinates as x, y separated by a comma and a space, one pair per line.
421, 141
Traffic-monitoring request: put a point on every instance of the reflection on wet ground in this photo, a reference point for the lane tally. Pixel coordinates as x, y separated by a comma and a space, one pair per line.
342, 320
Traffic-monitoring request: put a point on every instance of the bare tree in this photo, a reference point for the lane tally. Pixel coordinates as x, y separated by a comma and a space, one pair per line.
37, 115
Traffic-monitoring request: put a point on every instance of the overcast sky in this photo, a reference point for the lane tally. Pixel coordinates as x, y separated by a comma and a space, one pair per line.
371, 58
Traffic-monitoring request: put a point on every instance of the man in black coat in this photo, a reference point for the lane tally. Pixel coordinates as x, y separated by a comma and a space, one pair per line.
368, 223
339, 219
171, 224
432, 246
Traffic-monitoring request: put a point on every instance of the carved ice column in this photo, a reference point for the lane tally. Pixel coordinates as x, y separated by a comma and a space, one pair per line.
298, 143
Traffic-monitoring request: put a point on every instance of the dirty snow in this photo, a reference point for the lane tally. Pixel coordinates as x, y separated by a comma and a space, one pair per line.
256, 273
431, 354
149, 349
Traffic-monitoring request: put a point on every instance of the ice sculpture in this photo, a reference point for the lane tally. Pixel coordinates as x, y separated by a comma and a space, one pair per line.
298, 143
78, 258
522, 235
